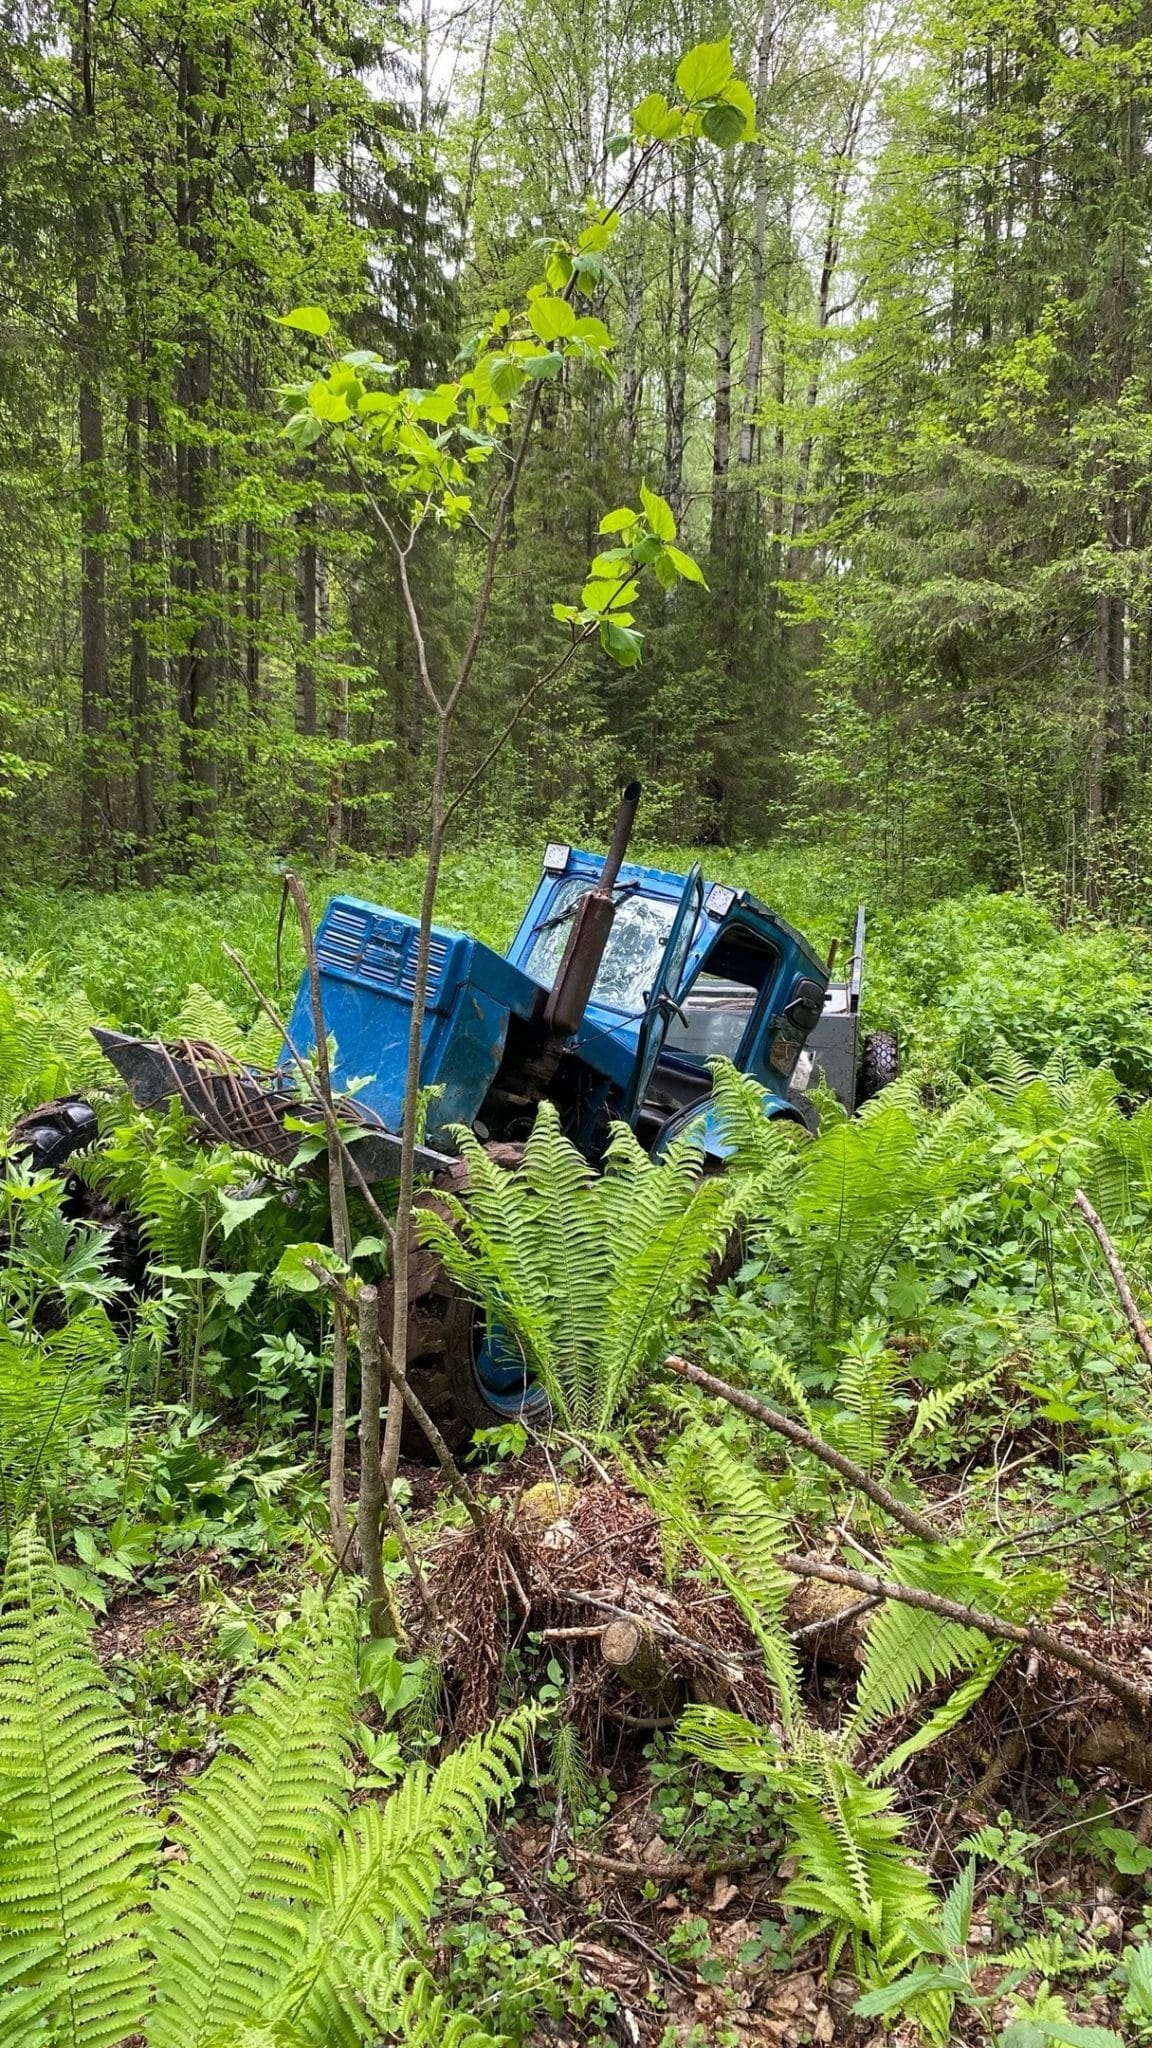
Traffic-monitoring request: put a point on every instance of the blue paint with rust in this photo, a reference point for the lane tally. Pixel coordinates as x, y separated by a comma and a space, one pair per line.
367, 959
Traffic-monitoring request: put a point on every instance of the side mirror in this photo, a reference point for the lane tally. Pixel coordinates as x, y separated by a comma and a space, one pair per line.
805, 1006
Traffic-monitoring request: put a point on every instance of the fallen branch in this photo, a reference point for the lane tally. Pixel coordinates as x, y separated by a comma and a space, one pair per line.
772, 1418
1135, 1701
1136, 1323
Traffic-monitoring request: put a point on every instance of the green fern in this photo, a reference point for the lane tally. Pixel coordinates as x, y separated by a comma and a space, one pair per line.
740, 1535
283, 1902
865, 1397
46, 1044
835, 1206
853, 1870
228, 1918
910, 1648
584, 1273
403, 2000
381, 1878
73, 1874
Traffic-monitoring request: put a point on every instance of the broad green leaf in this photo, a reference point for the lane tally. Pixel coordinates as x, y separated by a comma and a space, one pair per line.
292, 1271
620, 642
327, 404
548, 364
306, 319
736, 94
588, 328
612, 563
505, 377
704, 71
236, 1209
724, 124
890, 1997
658, 512
303, 429
558, 270
235, 1287
655, 118
552, 319
685, 566
619, 520
599, 232
439, 405
1138, 1963
607, 593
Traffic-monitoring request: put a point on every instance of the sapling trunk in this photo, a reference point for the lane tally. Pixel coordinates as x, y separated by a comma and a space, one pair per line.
370, 1506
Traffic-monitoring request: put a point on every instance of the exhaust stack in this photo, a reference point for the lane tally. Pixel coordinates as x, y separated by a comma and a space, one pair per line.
591, 930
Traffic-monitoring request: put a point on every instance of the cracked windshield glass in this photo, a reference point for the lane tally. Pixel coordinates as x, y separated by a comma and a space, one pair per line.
634, 949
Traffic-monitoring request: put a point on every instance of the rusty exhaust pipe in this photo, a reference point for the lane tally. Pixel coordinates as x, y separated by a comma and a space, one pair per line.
591, 930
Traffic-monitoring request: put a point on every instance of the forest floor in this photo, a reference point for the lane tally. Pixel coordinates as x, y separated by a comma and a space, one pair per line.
916, 1289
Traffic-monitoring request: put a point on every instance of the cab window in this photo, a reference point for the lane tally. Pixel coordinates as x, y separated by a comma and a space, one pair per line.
719, 1005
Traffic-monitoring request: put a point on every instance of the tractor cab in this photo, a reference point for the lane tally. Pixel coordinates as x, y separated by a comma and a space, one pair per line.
690, 972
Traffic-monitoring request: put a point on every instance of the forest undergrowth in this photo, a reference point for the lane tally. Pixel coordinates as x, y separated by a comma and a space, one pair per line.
792, 1683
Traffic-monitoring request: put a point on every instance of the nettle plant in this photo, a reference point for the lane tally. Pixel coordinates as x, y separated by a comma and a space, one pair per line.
418, 459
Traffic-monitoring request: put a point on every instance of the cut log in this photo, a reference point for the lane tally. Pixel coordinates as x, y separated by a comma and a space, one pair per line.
633, 1653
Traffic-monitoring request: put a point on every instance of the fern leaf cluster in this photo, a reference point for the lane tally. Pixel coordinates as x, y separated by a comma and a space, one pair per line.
74, 1870
226, 1931
283, 1902
46, 1043
584, 1273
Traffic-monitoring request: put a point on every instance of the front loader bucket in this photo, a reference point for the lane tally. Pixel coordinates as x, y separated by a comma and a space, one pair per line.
248, 1107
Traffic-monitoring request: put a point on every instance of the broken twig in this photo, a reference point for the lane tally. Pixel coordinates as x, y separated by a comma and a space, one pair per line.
1136, 1323
772, 1418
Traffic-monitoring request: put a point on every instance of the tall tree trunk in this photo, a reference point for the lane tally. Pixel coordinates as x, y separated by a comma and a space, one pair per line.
829, 258
95, 818
139, 651
677, 435
306, 579
196, 678
722, 406
754, 359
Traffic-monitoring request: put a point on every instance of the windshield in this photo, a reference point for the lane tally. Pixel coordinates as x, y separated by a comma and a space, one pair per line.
633, 953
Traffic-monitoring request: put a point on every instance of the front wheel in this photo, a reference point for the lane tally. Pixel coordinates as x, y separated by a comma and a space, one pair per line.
485, 1378
879, 1064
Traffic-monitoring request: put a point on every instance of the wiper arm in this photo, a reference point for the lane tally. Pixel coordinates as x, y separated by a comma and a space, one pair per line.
548, 924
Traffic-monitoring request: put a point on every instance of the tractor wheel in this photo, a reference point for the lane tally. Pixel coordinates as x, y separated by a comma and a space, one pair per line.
879, 1064
465, 1381
48, 1136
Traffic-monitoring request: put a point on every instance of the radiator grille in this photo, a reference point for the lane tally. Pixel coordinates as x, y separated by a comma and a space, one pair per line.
380, 951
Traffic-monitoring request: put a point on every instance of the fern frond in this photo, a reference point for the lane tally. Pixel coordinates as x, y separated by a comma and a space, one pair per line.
662, 1224
73, 1873
910, 1648
582, 1274
50, 1387
740, 1539
202, 1015
403, 1999
948, 1714
229, 1919
865, 1396
382, 1874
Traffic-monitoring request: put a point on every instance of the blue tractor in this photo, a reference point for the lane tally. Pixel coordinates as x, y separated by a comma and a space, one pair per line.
620, 986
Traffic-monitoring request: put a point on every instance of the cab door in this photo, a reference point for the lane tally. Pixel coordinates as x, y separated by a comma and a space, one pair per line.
661, 998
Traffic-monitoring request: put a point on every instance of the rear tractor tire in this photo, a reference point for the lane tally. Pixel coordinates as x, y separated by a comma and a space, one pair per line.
879, 1064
